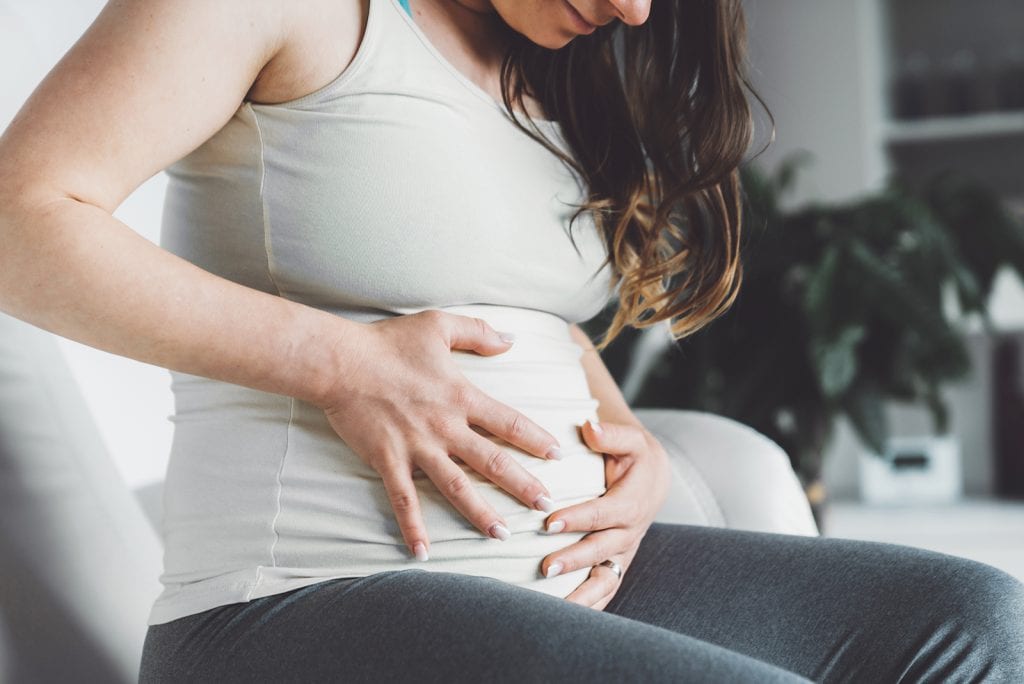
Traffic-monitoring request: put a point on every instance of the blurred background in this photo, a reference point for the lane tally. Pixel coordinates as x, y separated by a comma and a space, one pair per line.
879, 332
879, 336
897, 102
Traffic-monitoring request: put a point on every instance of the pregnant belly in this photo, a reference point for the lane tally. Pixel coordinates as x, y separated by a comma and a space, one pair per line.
329, 513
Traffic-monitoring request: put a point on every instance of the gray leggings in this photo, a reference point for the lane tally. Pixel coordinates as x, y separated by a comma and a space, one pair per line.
698, 604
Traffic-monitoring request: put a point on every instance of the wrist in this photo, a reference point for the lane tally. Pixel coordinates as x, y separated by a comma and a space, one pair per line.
322, 351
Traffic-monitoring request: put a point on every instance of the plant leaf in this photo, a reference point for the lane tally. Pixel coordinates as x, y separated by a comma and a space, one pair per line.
836, 360
865, 408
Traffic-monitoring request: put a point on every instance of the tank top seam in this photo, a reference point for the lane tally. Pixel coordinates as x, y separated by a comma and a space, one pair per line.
262, 198
278, 483
279, 487
268, 250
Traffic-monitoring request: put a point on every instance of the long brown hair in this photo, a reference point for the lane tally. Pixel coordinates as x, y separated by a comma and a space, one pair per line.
658, 121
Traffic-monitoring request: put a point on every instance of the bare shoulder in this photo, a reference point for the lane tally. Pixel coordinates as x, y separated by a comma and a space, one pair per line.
151, 80
147, 82
320, 39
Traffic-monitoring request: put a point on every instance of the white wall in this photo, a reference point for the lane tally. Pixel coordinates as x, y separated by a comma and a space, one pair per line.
130, 401
821, 67
817, 65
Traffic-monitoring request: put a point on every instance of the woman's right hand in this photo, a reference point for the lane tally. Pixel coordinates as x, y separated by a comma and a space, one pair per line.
403, 403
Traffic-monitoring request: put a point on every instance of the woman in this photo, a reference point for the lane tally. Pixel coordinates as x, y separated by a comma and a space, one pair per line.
370, 479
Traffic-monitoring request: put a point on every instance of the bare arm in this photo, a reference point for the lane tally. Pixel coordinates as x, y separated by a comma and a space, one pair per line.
147, 83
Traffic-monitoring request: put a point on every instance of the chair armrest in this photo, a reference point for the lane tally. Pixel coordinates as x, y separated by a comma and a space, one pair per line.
80, 563
726, 474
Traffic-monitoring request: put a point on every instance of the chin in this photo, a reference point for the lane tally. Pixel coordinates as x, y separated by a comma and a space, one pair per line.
553, 41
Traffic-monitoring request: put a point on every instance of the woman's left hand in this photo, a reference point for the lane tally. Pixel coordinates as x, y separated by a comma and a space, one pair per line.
637, 476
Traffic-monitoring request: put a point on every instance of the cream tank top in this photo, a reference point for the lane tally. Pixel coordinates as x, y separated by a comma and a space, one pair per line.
398, 187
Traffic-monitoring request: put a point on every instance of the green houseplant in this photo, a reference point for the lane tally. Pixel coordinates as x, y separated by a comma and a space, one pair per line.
841, 308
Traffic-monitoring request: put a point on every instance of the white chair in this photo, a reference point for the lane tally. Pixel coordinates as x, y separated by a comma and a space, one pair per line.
81, 555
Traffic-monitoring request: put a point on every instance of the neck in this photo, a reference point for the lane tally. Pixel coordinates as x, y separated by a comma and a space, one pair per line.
478, 6
478, 21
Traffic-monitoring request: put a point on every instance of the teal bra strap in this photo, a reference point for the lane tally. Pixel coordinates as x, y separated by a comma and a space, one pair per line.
405, 6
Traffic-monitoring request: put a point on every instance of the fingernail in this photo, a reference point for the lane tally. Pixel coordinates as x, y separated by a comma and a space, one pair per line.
554, 569
421, 551
507, 337
595, 426
499, 531
555, 453
556, 526
544, 503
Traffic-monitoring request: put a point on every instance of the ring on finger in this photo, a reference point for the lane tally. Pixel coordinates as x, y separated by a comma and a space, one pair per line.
613, 566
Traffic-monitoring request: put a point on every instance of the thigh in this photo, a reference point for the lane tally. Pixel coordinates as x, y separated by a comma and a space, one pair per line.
829, 609
415, 625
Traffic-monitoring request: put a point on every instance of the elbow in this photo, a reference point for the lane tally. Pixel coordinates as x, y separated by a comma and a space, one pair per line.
22, 200
10, 207
26, 208
17, 193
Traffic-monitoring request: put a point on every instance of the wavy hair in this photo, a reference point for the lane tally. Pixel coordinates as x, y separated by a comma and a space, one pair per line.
658, 121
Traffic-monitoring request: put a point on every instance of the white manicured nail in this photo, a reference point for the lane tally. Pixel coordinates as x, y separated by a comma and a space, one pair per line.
499, 531
544, 503
555, 453
554, 569
556, 526
507, 337
595, 426
421, 552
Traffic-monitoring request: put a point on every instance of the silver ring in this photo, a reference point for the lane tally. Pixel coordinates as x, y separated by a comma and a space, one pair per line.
613, 566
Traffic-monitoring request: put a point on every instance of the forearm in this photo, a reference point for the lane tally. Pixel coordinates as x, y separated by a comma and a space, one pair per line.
73, 269
613, 406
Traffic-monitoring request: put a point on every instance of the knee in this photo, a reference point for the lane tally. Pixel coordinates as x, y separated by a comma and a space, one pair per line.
993, 611
980, 627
